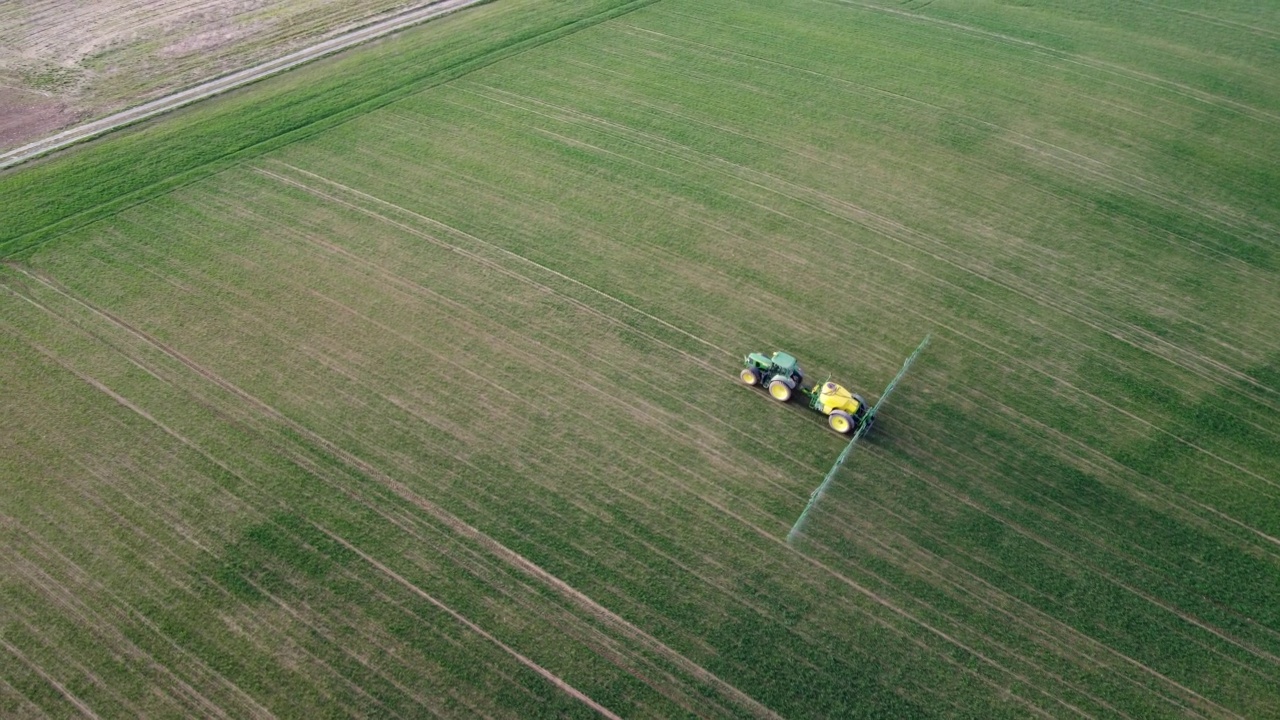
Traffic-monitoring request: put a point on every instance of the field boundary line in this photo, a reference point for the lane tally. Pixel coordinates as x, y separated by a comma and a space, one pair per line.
217, 86
547, 674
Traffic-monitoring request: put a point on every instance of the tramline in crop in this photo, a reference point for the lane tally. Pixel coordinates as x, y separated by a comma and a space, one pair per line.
846, 412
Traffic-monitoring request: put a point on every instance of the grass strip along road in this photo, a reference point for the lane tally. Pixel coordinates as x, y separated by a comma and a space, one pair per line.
219, 85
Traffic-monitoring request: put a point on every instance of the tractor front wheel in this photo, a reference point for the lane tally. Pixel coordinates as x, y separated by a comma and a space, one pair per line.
780, 390
750, 376
840, 421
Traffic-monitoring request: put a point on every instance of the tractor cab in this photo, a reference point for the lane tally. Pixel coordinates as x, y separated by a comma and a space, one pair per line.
785, 364
779, 373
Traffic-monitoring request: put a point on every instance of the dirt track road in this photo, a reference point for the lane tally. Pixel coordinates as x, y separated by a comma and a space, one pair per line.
222, 84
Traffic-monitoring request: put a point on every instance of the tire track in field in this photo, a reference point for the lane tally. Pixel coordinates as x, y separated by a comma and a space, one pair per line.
1099, 400
1185, 616
1183, 242
1207, 375
546, 674
458, 526
1137, 663
824, 210
416, 290
724, 509
1210, 20
338, 676
683, 215
61, 597
1084, 563
1053, 624
487, 244
343, 649
346, 650
391, 276
12, 697
129, 612
1035, 144
107, 699
250, 637
761, 711
883, 226
1160, 569
653, 675
53, 682
1233, 519
1041, 637
1074, 398
1107, 460
45, 551
1155, 571
1218, 513
661, 209
205, 550
1144, 78
480, 188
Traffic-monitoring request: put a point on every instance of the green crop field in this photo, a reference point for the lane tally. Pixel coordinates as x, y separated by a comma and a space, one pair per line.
404, 385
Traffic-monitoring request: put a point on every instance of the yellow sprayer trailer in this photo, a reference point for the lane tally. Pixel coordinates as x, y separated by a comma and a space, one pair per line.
782, 377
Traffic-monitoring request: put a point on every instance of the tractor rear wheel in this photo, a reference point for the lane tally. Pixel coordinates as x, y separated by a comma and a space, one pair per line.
779, 390
840, 421
750, 376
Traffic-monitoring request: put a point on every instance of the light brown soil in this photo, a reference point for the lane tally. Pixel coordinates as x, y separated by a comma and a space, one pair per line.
26, 115
65, 63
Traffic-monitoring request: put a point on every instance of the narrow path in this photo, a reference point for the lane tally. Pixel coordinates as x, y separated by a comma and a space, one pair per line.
234, 80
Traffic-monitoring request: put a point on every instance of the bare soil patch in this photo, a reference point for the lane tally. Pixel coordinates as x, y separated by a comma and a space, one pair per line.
26, 114
96, 58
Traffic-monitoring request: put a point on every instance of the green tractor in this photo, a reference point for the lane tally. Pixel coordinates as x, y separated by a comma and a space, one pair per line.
782, 377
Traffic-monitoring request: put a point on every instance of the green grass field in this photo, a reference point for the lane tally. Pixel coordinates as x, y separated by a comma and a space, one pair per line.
404, 385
